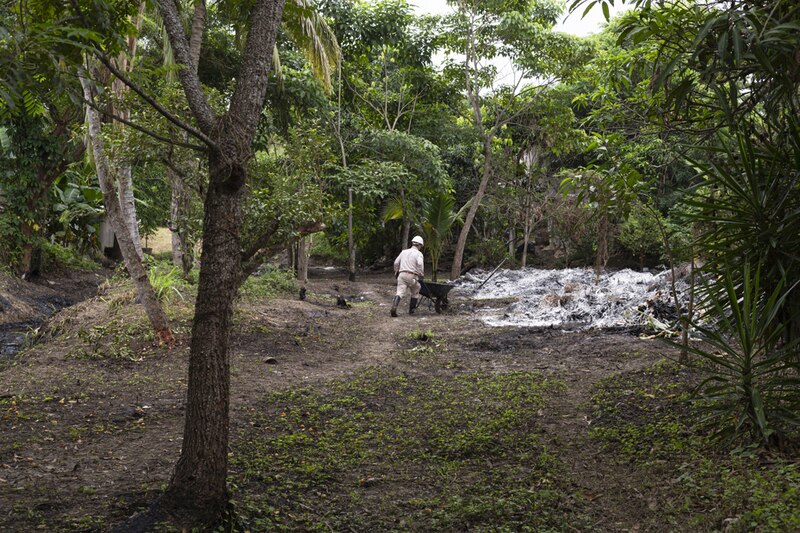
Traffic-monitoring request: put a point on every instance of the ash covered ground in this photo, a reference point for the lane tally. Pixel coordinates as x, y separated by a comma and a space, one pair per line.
577, 298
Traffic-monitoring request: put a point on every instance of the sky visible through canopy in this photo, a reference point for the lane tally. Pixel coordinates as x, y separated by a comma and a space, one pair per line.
573, 23
570, 23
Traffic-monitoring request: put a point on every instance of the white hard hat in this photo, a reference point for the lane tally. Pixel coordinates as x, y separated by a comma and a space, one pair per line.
418, 240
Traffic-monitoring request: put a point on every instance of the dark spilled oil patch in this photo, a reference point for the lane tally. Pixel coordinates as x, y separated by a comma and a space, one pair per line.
13, 336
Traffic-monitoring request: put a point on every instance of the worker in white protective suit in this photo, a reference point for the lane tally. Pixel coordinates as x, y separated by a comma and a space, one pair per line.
409, 269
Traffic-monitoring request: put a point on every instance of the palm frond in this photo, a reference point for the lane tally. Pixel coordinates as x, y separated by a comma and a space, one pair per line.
308, 30
394, 209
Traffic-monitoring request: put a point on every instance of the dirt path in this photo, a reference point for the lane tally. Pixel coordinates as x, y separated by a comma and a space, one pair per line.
88, 436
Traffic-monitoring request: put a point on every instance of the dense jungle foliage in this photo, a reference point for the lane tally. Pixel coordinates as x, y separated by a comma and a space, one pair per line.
670, 138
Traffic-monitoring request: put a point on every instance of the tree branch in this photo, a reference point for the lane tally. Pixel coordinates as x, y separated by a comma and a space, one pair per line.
201, 110
248, 97
167, 162
261, 242
138, 90
252, 258
142, 129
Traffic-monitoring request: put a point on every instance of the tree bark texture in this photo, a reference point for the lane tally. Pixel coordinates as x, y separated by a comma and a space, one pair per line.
124, 178
198, 485
404, 238
198, 26
155, 313
303, 247
198, 482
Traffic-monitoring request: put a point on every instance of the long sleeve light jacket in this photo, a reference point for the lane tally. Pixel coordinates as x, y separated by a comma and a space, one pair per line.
410, 260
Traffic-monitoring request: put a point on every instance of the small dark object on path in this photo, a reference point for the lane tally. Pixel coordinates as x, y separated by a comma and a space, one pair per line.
271, 361
342, 303
302, 293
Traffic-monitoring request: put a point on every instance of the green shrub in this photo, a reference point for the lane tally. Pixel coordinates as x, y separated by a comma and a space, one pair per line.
326, 248
55, 255
753, 388
166, 280
269, 284
486, 252
640, 233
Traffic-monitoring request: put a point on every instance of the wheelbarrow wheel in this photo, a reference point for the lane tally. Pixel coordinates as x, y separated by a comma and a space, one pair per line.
437, 304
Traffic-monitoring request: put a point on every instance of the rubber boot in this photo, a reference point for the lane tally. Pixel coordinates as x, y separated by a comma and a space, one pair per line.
412, 306
395, 303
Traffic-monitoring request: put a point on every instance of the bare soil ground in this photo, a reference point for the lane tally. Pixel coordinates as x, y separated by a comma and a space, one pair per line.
92, 415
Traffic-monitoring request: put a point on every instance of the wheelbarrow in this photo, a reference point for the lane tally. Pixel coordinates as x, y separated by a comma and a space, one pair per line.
435, 292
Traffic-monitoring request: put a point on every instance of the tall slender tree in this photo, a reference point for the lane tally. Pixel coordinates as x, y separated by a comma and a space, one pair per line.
485, 30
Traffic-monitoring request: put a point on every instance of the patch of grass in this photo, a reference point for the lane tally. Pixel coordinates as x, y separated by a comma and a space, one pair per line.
270, 283
387, 452
61, 256
652, 420
427, 345
648, 415
424, 336
112, 340
166, 281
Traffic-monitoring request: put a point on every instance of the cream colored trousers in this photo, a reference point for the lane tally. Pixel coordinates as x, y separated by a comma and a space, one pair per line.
407, 283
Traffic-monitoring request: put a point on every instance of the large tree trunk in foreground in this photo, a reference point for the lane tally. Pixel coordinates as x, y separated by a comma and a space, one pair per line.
133, 261
197, 492
198, 483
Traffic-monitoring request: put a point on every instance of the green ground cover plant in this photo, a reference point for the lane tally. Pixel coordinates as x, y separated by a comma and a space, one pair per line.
269, 283
654, 420
344, 456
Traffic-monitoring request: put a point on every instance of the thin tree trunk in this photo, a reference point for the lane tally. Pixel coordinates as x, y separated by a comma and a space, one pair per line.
512, 245
124, 178
526, 237
133, 262
602, 246
461, 244
303, 246
26, 261
175, 183
406, 222
351, 245
686, 322
182, 253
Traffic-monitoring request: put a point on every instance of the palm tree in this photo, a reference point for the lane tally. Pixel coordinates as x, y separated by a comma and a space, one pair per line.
437, 219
